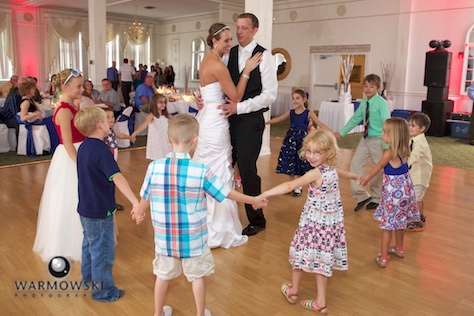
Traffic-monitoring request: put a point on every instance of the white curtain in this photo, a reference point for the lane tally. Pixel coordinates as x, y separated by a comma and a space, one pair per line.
129, 47
7, 62
66, 36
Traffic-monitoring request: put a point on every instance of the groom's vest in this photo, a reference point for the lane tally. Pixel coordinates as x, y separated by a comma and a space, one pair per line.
254, 86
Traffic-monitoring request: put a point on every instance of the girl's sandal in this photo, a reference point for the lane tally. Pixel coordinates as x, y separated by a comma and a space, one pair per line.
311, 305
286, 291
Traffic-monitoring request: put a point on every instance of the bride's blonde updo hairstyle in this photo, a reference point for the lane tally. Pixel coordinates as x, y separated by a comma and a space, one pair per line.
215, 32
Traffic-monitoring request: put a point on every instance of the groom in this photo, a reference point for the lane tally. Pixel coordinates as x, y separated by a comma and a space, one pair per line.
246, 117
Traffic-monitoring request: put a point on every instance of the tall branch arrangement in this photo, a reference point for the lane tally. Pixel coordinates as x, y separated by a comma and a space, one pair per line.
347, 64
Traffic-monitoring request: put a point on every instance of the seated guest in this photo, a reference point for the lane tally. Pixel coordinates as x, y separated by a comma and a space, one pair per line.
29, 110
109, 97
53, 87
12, 107
14, 91
89, 90
37, 97
143, 94
83, 102
5, 89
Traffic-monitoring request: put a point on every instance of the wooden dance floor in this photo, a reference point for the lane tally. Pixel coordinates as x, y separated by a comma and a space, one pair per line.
435, 278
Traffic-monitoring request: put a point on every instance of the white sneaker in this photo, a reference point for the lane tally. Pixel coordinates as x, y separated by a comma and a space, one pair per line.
167, 310
297, 191
207, 312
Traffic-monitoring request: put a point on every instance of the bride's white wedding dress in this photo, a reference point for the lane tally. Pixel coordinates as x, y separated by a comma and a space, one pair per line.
215, 151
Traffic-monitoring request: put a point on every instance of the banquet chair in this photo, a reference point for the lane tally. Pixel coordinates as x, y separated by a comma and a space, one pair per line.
33, 138
139, 119
132, 98
193, 111
4, 143
122, 126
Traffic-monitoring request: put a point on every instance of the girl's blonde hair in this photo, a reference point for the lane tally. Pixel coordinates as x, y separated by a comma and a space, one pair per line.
324, 141
182, 129
153, 106
398, 136
63, 75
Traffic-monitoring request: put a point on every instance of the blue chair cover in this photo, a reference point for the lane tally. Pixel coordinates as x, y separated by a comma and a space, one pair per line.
192, 110
130, 119
30, 143
53, 135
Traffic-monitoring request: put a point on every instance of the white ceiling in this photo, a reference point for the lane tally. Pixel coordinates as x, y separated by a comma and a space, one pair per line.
163, 9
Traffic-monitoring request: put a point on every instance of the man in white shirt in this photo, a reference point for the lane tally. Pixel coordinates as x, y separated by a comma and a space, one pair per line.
126, 74
246, 117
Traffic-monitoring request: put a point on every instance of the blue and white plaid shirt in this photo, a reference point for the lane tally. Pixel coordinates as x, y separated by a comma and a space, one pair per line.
176, 187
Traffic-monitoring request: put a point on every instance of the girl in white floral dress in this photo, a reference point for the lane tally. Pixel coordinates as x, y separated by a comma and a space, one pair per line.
319, 243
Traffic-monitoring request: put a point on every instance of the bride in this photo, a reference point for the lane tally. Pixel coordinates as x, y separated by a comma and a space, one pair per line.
214, 148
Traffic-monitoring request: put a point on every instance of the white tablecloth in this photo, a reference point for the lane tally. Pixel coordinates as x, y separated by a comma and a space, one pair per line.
336, 115
47, 110
282, 104
181, 106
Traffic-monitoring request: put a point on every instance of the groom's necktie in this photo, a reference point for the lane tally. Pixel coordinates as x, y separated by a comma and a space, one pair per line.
366, 123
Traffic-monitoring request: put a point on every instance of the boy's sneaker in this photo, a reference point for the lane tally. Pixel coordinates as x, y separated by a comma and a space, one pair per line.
167, 310
207, 312
297, 191
121, 294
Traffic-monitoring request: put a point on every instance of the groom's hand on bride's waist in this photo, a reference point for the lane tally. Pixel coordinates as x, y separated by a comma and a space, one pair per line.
228, 109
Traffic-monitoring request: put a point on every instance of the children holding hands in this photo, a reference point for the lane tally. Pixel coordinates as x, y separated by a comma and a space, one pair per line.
98, 174
175, 189
301, 119
319, 243
397, 205
420, 164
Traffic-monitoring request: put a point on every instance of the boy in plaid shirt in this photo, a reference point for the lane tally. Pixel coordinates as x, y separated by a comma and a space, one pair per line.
175, 189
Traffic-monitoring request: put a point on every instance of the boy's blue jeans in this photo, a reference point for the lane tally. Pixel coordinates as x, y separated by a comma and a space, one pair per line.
98, 253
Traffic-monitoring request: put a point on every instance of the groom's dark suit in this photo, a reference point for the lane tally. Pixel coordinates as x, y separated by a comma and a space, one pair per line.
246, 132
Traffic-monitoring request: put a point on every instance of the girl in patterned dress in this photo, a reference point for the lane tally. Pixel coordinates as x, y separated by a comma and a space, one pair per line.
319, 243
301, 119
157, 144
397, 205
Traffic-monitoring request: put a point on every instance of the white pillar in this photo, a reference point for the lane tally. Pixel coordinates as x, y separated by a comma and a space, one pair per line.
97, 41
263, 10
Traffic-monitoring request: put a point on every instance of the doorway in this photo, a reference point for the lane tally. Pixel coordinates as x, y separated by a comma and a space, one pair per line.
326, 76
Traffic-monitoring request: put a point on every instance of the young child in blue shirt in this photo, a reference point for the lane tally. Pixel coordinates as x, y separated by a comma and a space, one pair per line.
98, 174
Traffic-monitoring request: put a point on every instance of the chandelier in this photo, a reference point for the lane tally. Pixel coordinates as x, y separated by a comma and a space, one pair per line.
137, 31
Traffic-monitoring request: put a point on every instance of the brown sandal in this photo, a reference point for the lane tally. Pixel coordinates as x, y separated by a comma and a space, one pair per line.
286, 291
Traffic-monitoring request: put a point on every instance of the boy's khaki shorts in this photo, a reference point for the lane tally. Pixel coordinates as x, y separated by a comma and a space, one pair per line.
168, 268
420, 191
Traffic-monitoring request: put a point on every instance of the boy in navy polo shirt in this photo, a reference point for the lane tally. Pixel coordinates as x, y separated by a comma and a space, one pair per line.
98, 174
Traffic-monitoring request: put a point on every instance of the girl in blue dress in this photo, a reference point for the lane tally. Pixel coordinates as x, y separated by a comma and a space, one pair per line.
397, 205
301, 119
